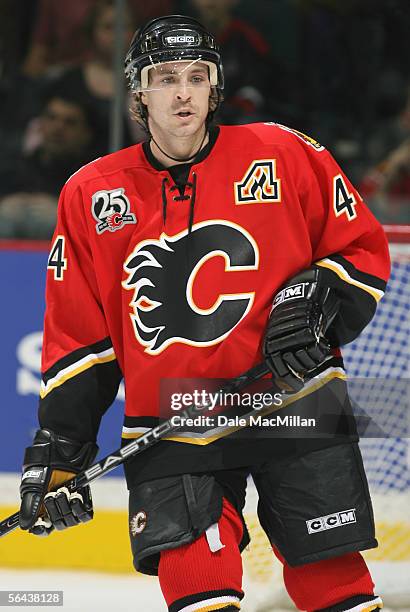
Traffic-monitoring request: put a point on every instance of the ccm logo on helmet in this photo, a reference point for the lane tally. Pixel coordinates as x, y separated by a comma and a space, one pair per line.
338, 519
178, 39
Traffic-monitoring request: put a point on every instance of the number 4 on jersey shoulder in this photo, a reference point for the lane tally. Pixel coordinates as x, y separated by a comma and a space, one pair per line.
343, 200
56, 260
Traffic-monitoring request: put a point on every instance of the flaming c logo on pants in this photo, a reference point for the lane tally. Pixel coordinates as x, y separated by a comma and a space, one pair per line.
162, 273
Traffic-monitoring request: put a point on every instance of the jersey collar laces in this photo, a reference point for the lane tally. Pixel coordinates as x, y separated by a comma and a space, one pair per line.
180, 198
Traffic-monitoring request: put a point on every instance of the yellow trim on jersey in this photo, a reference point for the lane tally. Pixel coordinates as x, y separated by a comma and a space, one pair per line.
311, 386
377, 294
217, 606
132, 436
87, 362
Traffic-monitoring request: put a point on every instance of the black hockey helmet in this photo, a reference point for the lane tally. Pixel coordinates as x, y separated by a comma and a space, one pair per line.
172, 38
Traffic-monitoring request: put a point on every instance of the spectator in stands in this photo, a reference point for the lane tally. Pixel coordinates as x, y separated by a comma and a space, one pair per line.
15, 33
386, 186
94, 79
247, 61
30, 185
352, 68
390, 132
60, 38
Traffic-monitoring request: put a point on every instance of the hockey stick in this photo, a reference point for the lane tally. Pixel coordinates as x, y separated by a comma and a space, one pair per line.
154, 435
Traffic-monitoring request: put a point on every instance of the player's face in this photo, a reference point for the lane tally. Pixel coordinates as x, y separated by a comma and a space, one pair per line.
177, 98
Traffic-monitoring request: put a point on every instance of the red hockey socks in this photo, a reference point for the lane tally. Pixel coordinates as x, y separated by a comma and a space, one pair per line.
326, 583
192, 575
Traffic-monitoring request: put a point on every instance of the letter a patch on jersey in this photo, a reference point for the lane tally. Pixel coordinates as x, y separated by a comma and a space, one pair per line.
259, 185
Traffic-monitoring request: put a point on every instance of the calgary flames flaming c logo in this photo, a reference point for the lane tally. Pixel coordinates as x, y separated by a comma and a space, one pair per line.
161, 274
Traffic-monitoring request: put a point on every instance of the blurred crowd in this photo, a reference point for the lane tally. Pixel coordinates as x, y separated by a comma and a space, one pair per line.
339, 71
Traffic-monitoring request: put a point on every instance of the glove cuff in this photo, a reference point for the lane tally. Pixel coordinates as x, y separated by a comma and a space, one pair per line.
57, 452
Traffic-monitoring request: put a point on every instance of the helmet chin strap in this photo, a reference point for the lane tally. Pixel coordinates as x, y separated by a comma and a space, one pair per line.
180, 159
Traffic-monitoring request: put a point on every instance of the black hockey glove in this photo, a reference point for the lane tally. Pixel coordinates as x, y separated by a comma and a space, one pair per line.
295, 342
52, 460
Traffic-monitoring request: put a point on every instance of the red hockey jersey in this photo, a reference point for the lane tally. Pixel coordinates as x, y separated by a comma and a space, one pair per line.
146, 283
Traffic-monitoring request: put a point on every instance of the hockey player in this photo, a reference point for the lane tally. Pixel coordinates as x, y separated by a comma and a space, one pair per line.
165, 261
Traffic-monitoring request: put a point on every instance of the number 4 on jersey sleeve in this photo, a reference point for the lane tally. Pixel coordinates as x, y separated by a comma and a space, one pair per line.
56, 260
343, 201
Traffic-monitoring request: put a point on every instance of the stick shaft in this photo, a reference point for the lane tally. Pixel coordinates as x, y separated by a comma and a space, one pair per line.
154, 435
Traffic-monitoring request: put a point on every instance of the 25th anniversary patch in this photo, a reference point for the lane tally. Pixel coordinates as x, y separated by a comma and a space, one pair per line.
111, 210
